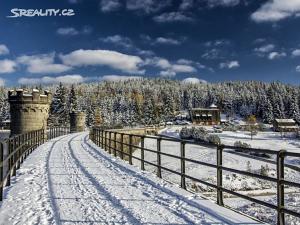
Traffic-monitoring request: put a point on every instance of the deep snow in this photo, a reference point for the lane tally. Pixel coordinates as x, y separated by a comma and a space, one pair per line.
71, 181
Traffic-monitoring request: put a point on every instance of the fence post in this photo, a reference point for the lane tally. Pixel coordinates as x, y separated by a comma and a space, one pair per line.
1, 170
115, 144
219, 175
102, 139
14, 158
22, 148
122, 146
18, 152
280, 187
182, 160
142, 153
9, 163
130, 149
158, 157
105, 140
109, 142
101, 142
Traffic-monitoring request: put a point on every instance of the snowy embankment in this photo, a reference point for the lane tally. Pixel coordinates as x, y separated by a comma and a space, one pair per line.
71, 181
257, 188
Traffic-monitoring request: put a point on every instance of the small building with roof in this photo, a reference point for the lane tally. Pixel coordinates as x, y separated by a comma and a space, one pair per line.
285, 125
206, 116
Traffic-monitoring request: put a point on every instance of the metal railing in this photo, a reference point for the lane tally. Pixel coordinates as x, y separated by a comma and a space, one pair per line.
13, 151
113, 142
57, 131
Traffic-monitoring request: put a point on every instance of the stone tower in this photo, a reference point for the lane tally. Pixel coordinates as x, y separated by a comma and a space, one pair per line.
28, 111
77, 121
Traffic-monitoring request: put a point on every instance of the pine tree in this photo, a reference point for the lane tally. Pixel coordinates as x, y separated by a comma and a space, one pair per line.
149, 114
293, 107
73, 106
59, 114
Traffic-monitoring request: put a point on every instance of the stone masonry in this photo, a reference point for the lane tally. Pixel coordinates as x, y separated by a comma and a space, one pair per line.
29, 111
77, 121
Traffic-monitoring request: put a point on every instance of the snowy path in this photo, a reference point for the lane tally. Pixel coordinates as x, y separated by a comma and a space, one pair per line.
71, 181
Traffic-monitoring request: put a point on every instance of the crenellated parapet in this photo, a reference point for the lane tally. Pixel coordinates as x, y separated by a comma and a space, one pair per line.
29, 110
21, 96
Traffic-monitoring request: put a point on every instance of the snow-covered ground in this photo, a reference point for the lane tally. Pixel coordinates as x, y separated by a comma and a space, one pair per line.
244, 184
71, 181
263, 140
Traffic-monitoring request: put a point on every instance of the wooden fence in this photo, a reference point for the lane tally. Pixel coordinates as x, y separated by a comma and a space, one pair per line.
113, 142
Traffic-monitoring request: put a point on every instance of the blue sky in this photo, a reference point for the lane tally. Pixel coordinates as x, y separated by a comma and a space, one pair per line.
211, 40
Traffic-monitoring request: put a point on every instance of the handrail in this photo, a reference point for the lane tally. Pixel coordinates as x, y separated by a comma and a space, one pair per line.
107, 139
18, 148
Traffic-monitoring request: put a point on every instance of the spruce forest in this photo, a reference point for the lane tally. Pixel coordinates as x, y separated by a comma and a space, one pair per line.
150, 101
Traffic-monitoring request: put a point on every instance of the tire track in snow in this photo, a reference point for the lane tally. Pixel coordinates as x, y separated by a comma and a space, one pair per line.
182, 207
117, 206
79, 202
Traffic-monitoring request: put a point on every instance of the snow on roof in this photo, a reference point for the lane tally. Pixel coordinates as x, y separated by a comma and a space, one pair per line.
285, 120
205, 109
289, 127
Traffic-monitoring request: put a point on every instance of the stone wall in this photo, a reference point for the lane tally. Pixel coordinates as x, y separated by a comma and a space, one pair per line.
77, 122
29, 111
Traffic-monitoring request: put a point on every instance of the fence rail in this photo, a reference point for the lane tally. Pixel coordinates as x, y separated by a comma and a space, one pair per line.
57, 131
14, 150
114, 142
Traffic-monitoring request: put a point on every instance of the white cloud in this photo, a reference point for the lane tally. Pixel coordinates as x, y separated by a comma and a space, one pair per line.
298, 69
276, 55
7, 66
265, 48
163, 63
4, 50
67, 31
167, 73
118, 40
186, 4
296, 53
113, 59
193, 80
170, 17
43, 63
169, 41
147, 6
276, 10
177, 68
71, 31
225, 3
66, 79
119, 78
110, 5
218, 43
2, 82
229, 65
170, 69
212, 54
183, 68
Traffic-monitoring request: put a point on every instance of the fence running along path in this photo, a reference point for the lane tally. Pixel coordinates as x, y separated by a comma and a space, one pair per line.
14, 150
108, 141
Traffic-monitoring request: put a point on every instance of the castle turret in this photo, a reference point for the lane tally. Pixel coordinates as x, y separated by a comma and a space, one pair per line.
77, 121
28, 111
